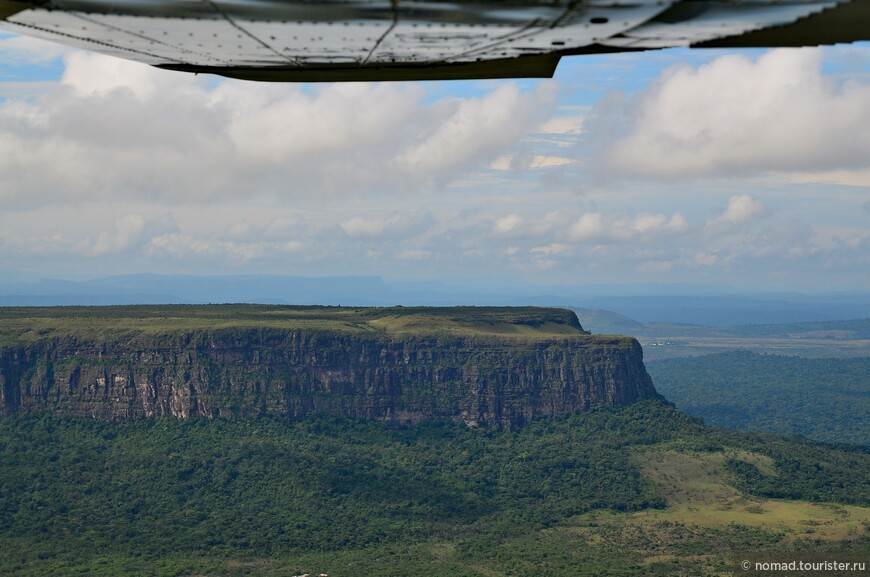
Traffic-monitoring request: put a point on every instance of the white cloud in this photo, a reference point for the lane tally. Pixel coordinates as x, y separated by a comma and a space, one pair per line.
281, 228
737, 115
590, 226
183, 247
613, 228
357, 227
706, 259
741, 208
397, 226
563, 125
545, 263
129, 232
522, 162
648, 223
843, 177
473, 130
114, 129
332, 179
291, 246
551, 249
24, 50
93, 75
508, 223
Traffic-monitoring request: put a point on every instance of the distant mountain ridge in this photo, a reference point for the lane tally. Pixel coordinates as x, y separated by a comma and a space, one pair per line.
693, 304
603, 322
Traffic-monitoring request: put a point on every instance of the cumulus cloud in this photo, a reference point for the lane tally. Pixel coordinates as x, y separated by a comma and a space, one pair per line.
590, 226
508, 223
737, 115
132, 231
304, 180
563, 125
597, 227
115, 129
24, 50
550, 249
184, 248
282, 228
741, 208
525, 162
645, 222
859, 177
394, 227
469, 131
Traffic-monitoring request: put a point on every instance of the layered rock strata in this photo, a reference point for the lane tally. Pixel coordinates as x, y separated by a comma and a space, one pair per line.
246, 373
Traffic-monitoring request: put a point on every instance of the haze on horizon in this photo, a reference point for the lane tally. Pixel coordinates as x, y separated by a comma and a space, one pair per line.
739, 168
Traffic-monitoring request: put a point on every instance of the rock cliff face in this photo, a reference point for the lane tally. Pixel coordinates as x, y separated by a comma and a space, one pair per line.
482, 380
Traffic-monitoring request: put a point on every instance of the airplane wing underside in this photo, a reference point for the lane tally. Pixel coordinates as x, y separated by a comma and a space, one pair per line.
346, 40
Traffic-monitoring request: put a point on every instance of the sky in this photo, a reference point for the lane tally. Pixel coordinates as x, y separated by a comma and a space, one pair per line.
745, 168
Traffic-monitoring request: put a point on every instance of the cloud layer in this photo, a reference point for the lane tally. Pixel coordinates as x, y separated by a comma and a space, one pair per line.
118, 167
735, 116
115, 129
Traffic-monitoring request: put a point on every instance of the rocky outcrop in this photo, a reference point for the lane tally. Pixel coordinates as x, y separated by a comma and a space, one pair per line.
290, 373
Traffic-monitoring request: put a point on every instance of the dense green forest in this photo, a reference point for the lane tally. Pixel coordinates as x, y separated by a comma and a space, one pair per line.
825, 399
162, 496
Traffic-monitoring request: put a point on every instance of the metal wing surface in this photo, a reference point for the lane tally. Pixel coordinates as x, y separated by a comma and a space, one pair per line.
348, 40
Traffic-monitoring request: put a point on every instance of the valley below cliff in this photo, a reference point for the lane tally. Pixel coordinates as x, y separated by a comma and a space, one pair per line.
243, 441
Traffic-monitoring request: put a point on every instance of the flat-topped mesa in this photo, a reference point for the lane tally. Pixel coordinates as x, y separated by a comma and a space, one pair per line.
483, 365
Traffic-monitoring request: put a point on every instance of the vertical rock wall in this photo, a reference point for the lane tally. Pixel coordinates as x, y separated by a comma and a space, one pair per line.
250, 373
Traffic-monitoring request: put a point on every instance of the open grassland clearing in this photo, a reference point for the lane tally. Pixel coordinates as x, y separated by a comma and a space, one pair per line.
700, 491
707, 520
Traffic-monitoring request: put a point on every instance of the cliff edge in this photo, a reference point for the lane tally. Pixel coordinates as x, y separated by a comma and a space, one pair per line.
483, 365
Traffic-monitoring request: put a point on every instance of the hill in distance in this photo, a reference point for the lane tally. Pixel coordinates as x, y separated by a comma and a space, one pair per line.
681, 304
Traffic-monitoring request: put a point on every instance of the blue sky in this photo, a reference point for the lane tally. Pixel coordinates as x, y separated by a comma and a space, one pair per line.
745, 168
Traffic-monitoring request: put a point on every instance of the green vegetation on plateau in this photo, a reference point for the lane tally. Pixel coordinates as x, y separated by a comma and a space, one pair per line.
825, 399
636, 490
21, 324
